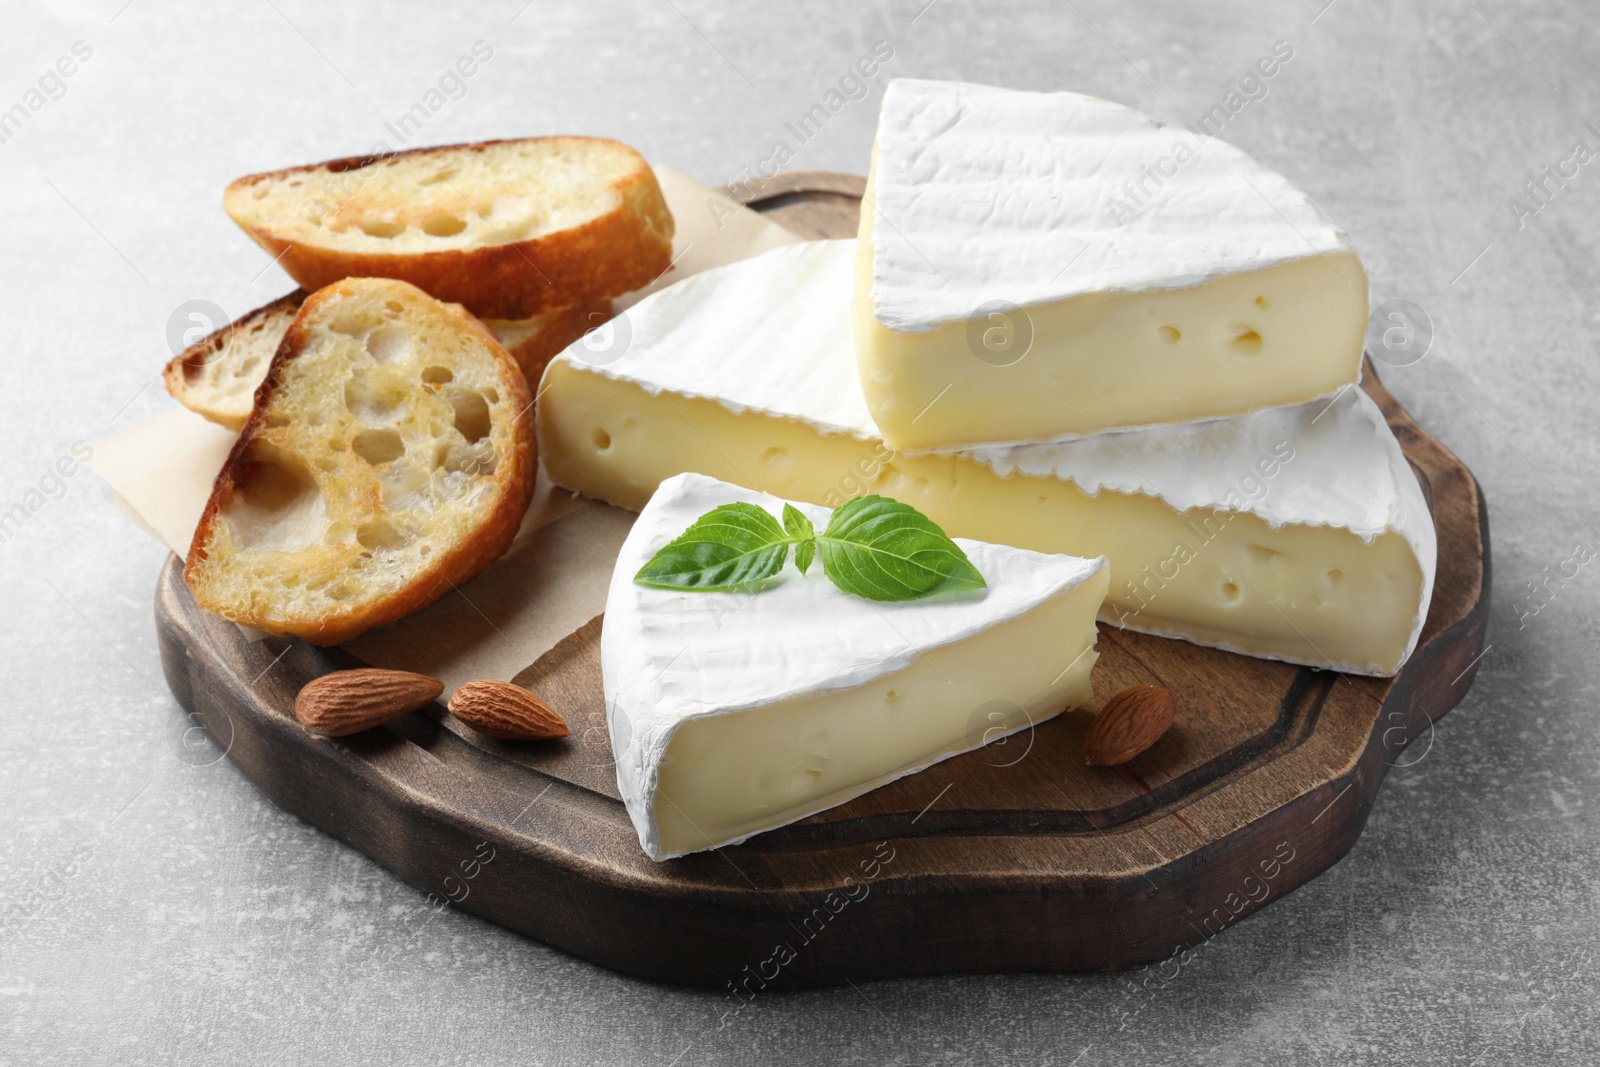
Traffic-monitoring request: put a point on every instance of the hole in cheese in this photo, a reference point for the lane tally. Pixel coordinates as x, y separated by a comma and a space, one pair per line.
1245, 341
805, 781
1170, 334
601, 439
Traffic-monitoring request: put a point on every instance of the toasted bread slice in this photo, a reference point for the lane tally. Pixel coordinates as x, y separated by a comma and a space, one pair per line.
217, 376
389, 456
507, 229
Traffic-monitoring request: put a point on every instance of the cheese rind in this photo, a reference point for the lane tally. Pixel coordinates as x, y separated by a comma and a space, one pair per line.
1296, 533
733, 713
1007, 292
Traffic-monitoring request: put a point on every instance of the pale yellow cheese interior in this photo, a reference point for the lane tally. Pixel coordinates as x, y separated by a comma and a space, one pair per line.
1315, 594
1232, 345
724, 777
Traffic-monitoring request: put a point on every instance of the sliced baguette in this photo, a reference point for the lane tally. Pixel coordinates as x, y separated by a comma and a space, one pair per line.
217, 376
507, 229
389, 456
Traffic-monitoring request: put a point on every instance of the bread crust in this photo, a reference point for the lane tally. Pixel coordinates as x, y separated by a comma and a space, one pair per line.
536, 352
514, 478
615, 253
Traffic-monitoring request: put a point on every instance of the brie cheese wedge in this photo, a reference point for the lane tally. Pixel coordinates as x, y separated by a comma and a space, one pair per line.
1039, 266
736, 712
1297, 533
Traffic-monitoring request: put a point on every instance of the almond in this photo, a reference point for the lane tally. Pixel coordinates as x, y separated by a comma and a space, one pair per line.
508, 712
347, 702
1131, 722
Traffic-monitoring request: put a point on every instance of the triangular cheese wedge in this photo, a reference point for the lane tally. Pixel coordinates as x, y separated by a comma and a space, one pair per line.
1297, 533
1038, 266
733, 713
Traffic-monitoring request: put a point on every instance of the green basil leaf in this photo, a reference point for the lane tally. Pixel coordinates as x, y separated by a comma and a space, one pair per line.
874, 547
796, 523
804, 534
882, 549
729, 546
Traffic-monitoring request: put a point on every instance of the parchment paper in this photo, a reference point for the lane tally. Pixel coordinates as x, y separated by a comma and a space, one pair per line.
554, 578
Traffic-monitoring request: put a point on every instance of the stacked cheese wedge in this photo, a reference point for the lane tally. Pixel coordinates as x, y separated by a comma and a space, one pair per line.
1015, 356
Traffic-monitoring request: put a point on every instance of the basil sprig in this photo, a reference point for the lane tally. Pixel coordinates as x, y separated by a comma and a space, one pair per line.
874, 547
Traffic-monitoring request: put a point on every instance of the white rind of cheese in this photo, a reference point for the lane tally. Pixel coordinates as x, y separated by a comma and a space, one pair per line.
1146, 275
993, 192
1348, 471
769, 340
673, 658
720, 326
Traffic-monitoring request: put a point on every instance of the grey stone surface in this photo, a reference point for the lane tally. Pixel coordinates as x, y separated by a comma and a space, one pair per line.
155, 908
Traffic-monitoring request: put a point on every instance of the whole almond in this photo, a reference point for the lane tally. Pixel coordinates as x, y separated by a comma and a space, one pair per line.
505, 711
347, 702
1131, 722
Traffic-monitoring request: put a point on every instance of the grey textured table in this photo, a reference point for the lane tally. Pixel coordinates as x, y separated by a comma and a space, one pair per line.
155, 908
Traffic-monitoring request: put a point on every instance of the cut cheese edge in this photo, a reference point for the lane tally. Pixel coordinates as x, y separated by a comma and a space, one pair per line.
1297, 533
734, 713
1028, 274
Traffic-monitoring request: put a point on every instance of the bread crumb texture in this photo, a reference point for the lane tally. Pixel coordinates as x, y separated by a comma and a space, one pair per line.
389, 456
217, 376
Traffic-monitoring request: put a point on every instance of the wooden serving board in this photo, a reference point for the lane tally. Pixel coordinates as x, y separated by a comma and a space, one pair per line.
1013, 858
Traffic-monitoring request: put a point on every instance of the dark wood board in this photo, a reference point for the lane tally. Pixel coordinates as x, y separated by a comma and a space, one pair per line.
1012, 858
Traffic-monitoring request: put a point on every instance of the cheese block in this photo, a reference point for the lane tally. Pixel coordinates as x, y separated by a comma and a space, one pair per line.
1296, 533
736, 712
1038, 266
